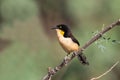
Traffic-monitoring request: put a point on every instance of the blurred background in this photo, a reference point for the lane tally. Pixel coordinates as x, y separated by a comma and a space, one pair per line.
28, 46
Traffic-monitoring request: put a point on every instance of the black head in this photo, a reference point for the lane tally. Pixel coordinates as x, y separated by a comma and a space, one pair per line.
62, 27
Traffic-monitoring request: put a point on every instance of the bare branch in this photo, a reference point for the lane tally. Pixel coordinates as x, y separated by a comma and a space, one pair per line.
53, 71
98, 77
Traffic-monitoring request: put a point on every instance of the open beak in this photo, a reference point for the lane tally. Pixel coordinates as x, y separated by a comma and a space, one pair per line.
54, 28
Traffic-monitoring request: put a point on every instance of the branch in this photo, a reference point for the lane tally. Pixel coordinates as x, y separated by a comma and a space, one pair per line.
98, 77
53, 71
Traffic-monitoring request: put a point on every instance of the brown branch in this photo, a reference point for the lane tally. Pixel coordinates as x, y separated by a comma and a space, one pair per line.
98, 77
53, 71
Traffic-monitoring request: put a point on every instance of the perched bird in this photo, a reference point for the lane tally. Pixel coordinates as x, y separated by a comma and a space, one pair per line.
68, 42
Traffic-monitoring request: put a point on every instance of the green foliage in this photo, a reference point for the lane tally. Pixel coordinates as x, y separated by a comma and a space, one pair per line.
104, 40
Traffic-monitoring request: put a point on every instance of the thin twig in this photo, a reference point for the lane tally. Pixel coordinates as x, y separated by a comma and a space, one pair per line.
53, 71
98, 77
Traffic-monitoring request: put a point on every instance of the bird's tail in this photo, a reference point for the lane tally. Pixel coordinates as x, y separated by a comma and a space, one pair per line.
82, 59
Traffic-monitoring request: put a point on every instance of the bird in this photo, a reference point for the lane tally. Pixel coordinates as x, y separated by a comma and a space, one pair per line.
68, 42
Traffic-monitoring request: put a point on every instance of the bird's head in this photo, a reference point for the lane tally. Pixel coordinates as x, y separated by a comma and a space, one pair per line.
62, 28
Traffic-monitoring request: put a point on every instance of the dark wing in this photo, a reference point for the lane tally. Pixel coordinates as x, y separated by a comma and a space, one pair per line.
74, 39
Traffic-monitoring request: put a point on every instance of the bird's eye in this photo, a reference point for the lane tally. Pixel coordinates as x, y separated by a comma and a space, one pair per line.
60, 26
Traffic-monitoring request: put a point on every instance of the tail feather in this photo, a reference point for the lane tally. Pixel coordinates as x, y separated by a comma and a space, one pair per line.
82, 59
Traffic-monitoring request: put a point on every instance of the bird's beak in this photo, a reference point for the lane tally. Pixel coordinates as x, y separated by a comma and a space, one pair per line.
54, 28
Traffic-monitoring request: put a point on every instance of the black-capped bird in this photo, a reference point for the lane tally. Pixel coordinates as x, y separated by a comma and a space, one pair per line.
68, 42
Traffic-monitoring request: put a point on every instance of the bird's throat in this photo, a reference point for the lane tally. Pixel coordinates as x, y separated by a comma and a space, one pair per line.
60, 32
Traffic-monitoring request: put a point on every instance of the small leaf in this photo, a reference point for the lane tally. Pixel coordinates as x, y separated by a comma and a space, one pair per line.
108, 38
104, 38
113, 40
